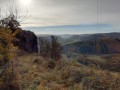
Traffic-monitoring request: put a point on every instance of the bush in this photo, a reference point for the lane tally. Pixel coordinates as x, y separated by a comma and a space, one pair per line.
114, 63
51, 64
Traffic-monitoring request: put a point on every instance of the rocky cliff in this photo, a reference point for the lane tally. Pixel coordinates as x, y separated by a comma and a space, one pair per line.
27, 41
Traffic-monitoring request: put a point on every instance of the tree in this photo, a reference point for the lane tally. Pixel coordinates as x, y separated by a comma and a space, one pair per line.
50, 48
7, 52
10, 22
56, 48
44, 47
7, 49
9, 27
12, 16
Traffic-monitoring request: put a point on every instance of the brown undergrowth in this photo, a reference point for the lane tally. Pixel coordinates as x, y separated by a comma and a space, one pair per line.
39, 73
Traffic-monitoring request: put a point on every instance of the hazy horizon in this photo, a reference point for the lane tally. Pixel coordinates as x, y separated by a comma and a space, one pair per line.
71, 29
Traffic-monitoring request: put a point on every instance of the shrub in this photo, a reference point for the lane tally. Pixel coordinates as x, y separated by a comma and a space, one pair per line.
51, 64
114, 63
36, 61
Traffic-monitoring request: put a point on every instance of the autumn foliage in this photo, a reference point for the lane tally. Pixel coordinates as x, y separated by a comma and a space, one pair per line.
7, 48
114, 63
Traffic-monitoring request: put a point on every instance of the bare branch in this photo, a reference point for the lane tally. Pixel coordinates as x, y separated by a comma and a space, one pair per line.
13, 12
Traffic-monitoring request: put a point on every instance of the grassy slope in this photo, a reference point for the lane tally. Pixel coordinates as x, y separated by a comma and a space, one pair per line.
65, 76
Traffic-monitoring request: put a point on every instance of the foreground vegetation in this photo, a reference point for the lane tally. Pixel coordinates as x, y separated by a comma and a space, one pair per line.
38, 73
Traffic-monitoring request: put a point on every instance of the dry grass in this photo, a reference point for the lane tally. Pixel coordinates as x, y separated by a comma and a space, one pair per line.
36, 75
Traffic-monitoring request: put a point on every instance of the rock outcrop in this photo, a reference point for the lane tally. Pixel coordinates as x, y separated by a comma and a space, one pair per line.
27, 41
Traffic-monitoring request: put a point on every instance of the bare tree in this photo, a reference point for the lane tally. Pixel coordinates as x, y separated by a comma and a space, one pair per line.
44, 47
50, 48
56, 48
12, 17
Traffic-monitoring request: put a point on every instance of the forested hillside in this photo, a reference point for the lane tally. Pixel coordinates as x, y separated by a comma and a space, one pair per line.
100, 46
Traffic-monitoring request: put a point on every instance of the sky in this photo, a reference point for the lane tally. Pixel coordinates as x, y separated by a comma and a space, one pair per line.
69, 16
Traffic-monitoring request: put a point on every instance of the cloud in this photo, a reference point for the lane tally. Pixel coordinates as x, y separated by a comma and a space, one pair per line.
71, 12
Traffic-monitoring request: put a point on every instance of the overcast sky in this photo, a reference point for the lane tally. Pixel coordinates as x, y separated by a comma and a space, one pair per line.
70, 16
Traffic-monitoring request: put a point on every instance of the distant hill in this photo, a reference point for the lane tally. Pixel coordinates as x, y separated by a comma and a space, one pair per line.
103, 45
72, 38
76, 38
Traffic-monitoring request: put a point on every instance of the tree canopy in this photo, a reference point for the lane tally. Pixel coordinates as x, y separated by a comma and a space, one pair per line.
7, 48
